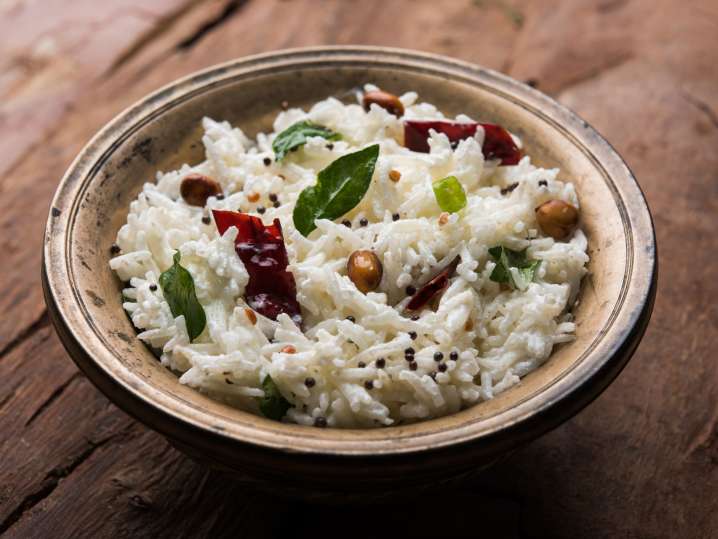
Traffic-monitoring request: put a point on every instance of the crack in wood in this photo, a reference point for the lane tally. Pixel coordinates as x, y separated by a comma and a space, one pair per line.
703, 107
706, 436
39, 323
50, 483
27, 503
162, 26
52, 398
229, 10
594, 73
9, 396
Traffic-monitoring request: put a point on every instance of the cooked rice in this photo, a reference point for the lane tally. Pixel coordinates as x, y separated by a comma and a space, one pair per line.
500, 334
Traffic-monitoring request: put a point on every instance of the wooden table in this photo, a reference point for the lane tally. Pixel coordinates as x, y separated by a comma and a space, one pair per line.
642, 461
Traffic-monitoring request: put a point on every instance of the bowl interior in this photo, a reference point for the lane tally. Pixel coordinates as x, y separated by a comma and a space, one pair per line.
164, 131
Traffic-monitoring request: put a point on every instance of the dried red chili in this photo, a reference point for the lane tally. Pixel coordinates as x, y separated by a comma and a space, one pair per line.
271, 289
498, 143
436, 285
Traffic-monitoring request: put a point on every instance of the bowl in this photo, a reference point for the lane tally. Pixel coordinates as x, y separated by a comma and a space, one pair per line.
162, 131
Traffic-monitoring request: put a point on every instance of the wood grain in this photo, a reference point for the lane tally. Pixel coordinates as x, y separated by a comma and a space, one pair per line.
642, 461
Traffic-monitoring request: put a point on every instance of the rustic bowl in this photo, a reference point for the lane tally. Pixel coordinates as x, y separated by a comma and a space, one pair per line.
162, 131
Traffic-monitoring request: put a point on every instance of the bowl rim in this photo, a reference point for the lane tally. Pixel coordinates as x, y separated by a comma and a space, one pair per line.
537, 413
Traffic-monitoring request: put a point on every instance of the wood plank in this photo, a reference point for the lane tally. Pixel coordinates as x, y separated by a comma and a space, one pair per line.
51, 51
640, 461
50, 74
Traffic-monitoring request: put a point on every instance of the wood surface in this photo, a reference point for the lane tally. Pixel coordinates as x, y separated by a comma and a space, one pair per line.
641, 461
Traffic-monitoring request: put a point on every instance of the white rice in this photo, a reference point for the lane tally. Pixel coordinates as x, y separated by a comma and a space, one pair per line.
511, 331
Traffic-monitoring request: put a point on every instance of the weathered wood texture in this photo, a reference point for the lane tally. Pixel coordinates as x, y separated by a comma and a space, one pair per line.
642, 461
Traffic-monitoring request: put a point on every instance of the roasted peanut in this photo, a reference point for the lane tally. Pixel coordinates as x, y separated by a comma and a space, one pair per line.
385, 100
197, 188
557, 218
365, 270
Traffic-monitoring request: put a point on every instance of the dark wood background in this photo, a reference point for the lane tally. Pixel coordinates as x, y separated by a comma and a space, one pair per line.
641, 461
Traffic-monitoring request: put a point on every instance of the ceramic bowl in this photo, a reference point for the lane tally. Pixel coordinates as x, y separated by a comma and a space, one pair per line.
162, 131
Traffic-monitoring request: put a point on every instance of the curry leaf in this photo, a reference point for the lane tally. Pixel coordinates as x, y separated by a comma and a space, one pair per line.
339, 188
297, 134
506, 259
449, 194
273, 405
178, 289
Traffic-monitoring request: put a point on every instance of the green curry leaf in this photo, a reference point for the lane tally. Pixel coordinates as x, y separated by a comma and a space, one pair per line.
273, 405
339, 188
297, 134
178, 289
505, 259
450, 194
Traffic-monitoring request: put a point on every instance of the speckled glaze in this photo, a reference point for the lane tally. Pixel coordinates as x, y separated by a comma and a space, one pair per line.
163, 131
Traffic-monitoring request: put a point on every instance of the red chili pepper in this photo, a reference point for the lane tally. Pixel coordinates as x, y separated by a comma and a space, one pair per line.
436, 285
498, 143
271, 289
